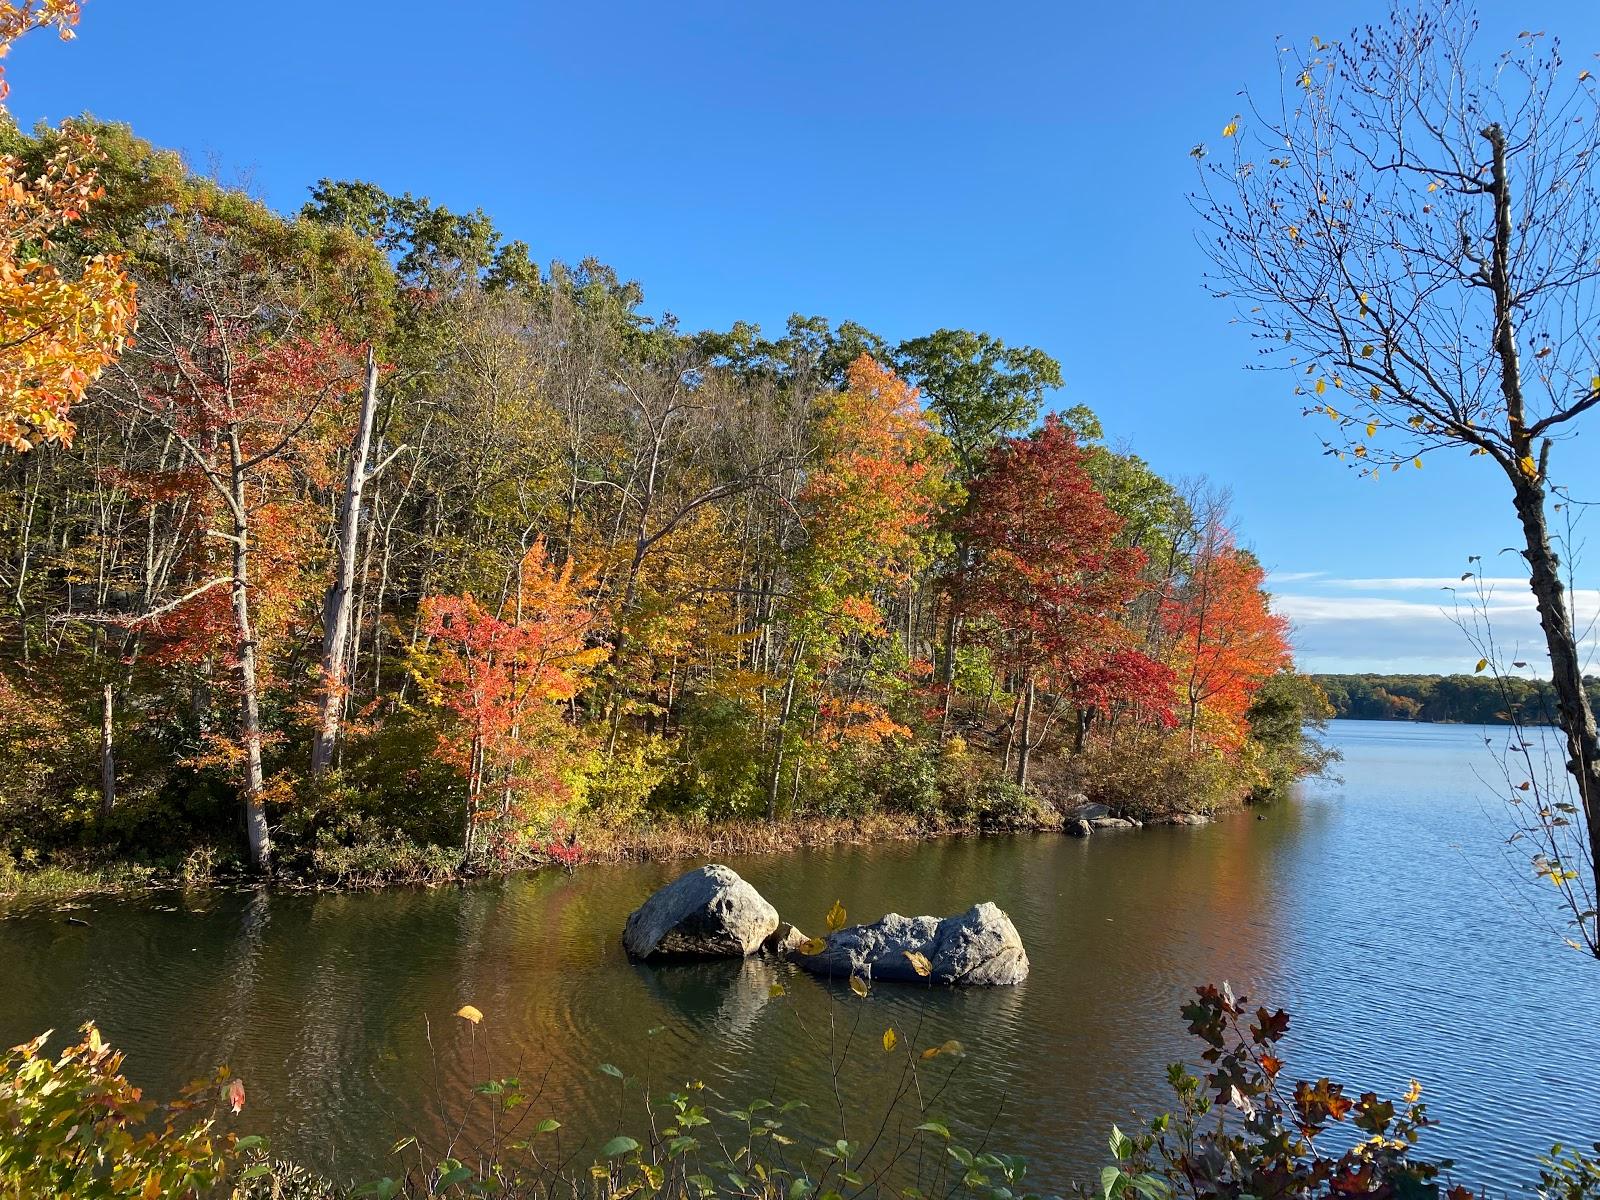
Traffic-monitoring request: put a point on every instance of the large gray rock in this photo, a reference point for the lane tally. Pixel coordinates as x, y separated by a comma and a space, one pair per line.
709, 912
1115, 823
980, 947
1086, 811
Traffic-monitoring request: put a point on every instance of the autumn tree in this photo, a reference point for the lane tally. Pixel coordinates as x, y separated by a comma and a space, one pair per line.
504, 682
1413, 229
1223, 639
867, 507
224, 371
1047, 573
63, 319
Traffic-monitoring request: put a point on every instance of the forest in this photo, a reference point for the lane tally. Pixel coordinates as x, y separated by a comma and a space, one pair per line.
353, 544
1457, 699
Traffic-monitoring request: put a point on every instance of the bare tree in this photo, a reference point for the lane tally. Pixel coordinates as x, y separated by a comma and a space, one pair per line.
336, 603
1412, 229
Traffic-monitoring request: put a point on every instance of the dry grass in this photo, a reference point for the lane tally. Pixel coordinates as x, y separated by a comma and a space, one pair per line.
710, 839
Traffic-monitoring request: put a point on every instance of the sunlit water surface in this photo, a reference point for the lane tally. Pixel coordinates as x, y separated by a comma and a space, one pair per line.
1381, 911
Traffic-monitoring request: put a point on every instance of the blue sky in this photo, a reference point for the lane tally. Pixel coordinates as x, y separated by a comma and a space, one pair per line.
1014, 167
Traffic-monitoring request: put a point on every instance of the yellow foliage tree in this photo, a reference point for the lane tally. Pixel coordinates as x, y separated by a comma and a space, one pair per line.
58, 329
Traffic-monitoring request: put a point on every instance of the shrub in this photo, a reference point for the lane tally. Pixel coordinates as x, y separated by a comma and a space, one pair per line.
1149, 774
74, 1126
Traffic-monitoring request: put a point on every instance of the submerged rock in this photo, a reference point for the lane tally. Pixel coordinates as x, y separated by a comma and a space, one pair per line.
709, 912
980, 947
1079, 828
1114, 823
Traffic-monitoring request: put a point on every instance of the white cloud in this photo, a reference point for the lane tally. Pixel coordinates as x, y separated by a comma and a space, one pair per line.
1413, 624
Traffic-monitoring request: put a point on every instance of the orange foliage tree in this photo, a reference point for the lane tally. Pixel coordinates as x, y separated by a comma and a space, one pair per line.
504, 682
1224, 638
868, 506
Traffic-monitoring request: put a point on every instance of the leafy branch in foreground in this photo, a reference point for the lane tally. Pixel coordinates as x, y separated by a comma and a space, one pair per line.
1239, 1130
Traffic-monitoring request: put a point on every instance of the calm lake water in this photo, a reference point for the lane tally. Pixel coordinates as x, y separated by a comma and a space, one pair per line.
1380, 911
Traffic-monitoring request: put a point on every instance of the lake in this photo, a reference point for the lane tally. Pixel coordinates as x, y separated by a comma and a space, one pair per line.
1381, 911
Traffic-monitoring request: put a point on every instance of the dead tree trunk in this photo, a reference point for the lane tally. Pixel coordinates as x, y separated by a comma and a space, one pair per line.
108, 754
336, 604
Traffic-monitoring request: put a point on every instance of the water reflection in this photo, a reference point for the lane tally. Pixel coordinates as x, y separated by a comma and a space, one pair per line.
1362, 908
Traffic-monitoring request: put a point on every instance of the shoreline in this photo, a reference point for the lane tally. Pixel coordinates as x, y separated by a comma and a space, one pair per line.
668, 842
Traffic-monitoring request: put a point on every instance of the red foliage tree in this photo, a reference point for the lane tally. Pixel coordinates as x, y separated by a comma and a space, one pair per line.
1048, 574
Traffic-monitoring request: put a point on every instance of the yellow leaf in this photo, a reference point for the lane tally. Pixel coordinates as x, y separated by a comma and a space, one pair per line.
1528, 466
836, 917
1417, 463
1366, 352
1294, 233
858, 985
889, 1040
1414, 1092
813, 946
1375, 392
1231, 128
919, 963
1594, 383
1433, 187
1322, 386
1483, 664
1332, 412
1372, 428
775, 991
467, 1013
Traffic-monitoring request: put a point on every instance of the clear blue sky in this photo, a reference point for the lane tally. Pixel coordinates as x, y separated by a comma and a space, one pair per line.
1019, 168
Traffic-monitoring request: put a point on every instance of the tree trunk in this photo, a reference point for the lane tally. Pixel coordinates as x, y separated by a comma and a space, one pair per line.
773, 782
947, 671
336, 604
1024, 746
108, 755
1566, 666
255, 808
1527, 482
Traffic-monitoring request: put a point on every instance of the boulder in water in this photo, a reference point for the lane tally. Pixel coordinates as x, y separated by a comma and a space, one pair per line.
980, 947
709, 912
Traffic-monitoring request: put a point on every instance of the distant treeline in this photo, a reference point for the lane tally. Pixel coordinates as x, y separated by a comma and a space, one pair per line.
1464, 699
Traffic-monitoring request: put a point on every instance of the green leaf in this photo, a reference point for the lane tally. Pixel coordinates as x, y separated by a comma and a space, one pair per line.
617, 1146
548, 1125
453, 1175
610, 1070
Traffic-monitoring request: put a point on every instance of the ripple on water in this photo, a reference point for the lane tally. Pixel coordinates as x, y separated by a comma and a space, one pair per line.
1379, 911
